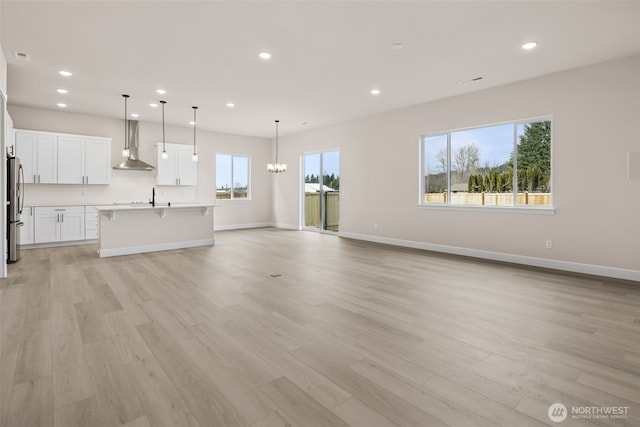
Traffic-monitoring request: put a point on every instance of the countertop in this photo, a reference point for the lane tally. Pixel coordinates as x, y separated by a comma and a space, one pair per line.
146, 207
60, 204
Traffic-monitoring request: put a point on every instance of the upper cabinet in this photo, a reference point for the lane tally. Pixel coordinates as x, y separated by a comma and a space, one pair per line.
38, 154
177, 168
84, 160
63, 159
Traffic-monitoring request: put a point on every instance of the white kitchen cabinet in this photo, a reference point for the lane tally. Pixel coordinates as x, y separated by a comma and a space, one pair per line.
38, 153
97, 160
177, 168
63, 159
58, 224
83, 160
90, 223
70, 160
26, 231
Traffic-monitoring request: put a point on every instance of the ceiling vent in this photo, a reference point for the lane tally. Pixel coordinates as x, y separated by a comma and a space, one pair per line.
21, 56
473, 80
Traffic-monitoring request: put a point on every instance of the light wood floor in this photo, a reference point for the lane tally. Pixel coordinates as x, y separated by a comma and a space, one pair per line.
348, 333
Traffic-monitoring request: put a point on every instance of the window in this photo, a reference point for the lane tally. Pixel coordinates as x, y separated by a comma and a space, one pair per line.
232, 177
505, 165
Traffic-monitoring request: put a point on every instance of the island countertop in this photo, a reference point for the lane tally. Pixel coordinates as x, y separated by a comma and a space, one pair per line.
138, 228
147, 206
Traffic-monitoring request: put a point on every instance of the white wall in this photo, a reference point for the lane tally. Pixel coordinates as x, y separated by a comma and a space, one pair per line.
596, 113
127, 186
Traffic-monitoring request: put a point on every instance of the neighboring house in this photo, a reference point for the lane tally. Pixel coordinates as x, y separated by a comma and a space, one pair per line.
314, 187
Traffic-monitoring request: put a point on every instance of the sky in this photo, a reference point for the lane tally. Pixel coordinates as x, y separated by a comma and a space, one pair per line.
330, 163
494, 143
224, 169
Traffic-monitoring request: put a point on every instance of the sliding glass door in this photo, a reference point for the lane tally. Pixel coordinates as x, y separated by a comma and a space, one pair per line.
321, 179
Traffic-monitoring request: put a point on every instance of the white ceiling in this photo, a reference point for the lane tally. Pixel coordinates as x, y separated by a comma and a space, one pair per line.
327, 56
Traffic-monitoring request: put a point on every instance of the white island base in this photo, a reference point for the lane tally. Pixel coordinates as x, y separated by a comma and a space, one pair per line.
125, 230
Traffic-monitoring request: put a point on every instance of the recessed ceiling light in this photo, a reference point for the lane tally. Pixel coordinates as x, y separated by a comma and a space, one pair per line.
153, 105
61, 105
135, 115
161, 91
62, 91
375, 91
396, 46
264, 55
529, 45
230, 104
65, 73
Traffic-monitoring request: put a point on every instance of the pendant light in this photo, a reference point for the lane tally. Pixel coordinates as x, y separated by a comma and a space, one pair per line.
164, 148
277, 167
194, 157
125, 150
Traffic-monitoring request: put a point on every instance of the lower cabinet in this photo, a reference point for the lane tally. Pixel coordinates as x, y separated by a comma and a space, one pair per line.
90, 223
26, 231
58, 224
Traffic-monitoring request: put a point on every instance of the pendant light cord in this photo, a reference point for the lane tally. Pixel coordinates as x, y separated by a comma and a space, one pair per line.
126, 123
277, 121
194, 129
163, 142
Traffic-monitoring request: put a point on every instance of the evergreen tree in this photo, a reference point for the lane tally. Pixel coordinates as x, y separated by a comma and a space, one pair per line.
523, 181
534, 154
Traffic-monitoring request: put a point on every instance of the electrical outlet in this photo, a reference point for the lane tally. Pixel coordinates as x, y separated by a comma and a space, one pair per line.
375, 226
548, 244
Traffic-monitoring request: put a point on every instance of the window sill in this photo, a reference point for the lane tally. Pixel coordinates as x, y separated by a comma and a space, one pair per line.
494, 209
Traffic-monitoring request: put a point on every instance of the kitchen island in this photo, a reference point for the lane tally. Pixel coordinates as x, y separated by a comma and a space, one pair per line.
133, 229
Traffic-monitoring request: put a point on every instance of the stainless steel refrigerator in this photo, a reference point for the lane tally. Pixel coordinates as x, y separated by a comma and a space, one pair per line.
15, 203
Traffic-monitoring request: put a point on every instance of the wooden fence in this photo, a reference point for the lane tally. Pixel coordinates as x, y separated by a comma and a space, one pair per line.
490, 199
312, 210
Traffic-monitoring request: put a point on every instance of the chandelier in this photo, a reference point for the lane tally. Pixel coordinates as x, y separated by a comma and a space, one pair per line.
277, 167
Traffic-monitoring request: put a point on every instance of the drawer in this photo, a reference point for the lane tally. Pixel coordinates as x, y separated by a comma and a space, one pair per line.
91, 234
59, 209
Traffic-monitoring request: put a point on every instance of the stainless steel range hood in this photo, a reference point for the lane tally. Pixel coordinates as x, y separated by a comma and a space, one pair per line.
133, 163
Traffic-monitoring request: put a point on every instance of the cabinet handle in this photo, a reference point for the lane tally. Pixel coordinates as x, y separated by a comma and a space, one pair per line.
35, 180
62, 216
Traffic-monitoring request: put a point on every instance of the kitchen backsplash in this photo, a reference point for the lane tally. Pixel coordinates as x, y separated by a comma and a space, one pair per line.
126, 186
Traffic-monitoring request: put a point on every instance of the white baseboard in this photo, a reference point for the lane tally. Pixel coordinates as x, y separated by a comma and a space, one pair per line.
54, 244
285, 226
241, 226
155, 248
574, 267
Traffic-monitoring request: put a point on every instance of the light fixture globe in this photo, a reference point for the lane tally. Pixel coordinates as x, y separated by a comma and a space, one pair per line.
277, 167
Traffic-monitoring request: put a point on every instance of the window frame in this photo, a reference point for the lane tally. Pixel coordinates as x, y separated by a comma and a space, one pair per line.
249, 185
547, 209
